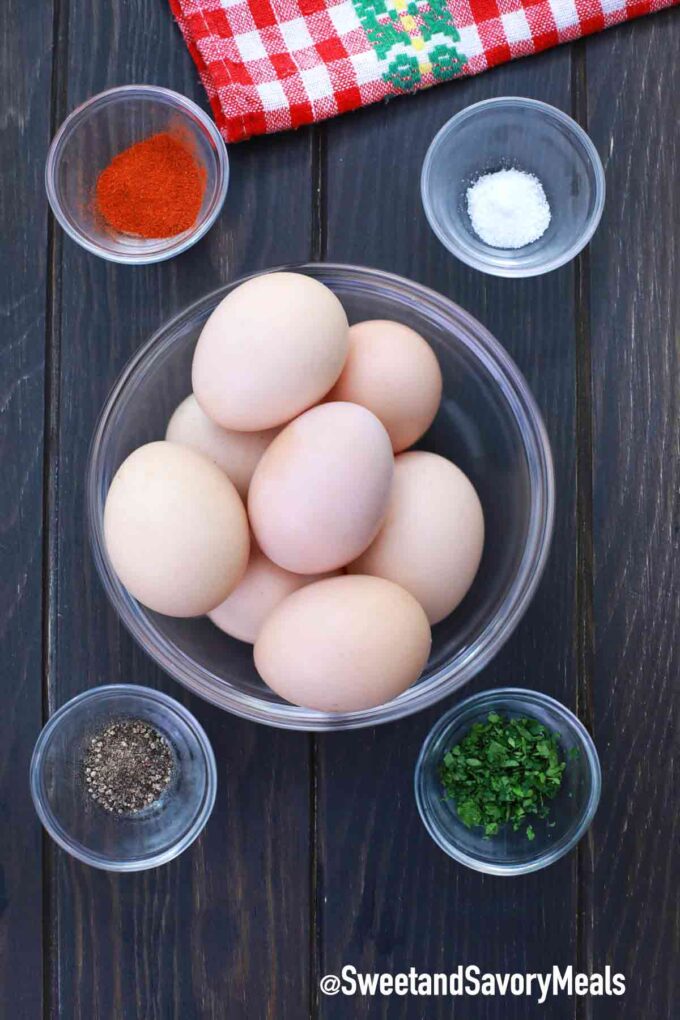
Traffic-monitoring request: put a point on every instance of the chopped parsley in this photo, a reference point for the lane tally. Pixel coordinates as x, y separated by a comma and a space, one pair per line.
503, 772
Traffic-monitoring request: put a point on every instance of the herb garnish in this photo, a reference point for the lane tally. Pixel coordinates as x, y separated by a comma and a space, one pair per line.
503, 771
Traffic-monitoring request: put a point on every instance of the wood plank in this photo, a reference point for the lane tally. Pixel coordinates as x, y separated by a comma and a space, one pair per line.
388, 898
25, 85
224, 930
633, 88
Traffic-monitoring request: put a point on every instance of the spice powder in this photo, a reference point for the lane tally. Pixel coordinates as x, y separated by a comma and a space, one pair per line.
153, 189
127, 766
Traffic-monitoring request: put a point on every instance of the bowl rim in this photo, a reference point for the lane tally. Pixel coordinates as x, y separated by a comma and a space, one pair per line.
52, 824
168, 247
471, 658
486, 700
470, 258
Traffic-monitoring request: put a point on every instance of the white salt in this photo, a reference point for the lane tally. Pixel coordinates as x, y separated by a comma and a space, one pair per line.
508, 209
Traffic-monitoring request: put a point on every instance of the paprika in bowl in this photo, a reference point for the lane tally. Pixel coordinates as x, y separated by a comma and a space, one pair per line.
137, 174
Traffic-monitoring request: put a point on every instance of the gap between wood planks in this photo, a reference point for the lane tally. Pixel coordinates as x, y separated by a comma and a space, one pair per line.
54, 241
584, 591
317, 254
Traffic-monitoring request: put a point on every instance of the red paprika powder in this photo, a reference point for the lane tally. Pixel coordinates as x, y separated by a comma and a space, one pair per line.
153, 189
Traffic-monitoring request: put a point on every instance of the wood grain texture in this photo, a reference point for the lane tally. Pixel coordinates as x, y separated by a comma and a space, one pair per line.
223, 931
633, 89
25, 86
388, 898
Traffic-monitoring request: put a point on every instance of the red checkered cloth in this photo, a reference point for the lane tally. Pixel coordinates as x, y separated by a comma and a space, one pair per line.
269, 65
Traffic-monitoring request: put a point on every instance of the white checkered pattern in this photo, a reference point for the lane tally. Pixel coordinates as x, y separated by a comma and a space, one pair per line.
268, 65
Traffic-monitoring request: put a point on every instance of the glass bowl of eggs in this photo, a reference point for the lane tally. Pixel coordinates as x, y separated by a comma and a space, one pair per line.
372, 513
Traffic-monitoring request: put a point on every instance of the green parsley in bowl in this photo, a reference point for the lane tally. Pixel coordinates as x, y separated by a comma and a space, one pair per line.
507, 781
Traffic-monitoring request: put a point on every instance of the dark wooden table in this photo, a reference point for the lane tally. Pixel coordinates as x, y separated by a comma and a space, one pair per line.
315, 855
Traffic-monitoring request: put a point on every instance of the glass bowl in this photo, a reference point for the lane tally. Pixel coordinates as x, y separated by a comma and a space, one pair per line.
571, 812
523, 134
97, 131
488, 424
83, 828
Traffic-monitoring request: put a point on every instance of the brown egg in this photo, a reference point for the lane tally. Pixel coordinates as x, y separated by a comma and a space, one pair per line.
237, 453
319, 494
272, 348
343, 644
393, 371
263, 587
432, 540
176, 530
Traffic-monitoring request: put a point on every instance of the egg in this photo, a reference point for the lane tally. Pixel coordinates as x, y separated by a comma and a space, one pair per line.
393, 371
432, 540
343, 644
271, 349
175, 530
263, 587
319, 494
237, 453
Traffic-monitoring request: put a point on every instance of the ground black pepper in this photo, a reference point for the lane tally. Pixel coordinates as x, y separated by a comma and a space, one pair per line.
127, 766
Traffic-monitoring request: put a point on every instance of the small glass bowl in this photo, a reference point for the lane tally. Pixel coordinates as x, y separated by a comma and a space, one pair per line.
571, 812
523, 134
83, 828
97, 131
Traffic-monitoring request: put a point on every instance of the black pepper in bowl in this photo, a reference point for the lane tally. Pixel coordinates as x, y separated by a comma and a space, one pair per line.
127, 766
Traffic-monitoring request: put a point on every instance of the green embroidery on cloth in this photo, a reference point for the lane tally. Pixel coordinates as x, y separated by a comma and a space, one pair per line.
383, 35
412, 38
403, 72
